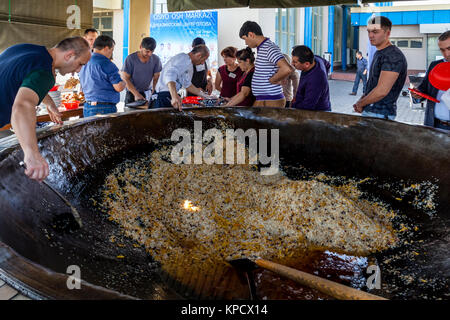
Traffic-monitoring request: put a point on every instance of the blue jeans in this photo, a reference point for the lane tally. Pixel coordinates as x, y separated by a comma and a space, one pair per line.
163, 100
377, 115
89, 110
359, 76
441, 126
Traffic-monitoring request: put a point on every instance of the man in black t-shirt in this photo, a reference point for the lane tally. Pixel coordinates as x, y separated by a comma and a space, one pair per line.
387, 73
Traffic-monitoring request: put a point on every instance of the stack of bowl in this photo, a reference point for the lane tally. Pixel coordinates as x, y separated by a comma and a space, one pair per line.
56, 96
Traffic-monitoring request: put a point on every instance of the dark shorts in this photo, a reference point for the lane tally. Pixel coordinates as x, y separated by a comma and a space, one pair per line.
163, 100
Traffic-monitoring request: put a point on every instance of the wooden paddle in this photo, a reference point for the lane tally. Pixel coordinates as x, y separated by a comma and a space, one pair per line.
328, 287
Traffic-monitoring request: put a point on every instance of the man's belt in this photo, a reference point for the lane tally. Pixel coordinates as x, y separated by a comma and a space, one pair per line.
445, 123
94, 103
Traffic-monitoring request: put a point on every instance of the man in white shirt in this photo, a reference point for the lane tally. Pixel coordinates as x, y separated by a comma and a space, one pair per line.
176, 74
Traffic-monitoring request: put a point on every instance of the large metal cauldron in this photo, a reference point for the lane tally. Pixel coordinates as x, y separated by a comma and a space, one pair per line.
38, 243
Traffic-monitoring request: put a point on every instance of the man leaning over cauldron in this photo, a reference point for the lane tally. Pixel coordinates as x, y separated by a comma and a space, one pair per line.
140, 69
27, 73
176, 74
313, 91
436, 114
100, 79
387, 73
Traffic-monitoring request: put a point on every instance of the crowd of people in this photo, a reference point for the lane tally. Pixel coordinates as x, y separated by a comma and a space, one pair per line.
269, 79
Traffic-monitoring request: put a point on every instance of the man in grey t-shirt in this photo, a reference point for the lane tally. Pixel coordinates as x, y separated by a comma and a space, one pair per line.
139, 69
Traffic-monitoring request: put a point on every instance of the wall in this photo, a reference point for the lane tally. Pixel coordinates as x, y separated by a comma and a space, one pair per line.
417, 58
231, 20
118, 37
43, 23
325, 29
139, 23
108, 4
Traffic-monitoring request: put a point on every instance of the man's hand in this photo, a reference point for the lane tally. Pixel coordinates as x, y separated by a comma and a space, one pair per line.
415, 95
358, 107
176, 102
54, 113
36, 166
209, 87
275, 82
52, 110
365, 72
139, 96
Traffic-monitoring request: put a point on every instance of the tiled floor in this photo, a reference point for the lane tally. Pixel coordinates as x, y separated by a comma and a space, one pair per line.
8, 293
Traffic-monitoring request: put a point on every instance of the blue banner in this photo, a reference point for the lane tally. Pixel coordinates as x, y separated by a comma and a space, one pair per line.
175, 31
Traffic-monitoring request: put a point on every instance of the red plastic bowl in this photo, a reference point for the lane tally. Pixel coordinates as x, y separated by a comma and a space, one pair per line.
192, 100
440, 76
71, 105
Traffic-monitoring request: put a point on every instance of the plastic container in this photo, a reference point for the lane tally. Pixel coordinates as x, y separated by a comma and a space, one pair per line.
71, 105
440, 76
56, 97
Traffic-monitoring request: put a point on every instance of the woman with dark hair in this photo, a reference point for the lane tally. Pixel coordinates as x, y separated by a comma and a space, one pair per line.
228, 74
244, 96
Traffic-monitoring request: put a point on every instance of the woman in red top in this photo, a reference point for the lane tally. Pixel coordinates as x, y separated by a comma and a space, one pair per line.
244, 96
229, 73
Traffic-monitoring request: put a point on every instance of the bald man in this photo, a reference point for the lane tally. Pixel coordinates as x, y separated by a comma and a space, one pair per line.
176, 74
27, 73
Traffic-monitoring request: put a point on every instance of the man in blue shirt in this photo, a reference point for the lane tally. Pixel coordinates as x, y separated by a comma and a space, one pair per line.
100, 79
27, 73
361, 73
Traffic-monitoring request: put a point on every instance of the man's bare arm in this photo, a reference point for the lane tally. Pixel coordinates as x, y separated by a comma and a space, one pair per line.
155, 81
23, 121
384, 86
129, 85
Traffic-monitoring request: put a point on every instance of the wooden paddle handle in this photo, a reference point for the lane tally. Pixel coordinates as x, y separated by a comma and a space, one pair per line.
328, 287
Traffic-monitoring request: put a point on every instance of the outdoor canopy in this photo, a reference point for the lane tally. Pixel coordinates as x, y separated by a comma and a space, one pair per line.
42, 22
184, 5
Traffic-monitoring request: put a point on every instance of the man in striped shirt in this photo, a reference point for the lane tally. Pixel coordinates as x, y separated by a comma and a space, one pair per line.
270, 67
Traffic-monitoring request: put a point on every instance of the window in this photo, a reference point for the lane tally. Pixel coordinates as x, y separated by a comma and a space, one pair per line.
408, 43
317, 23
286, 29
160, 6
103, 22
337, 56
